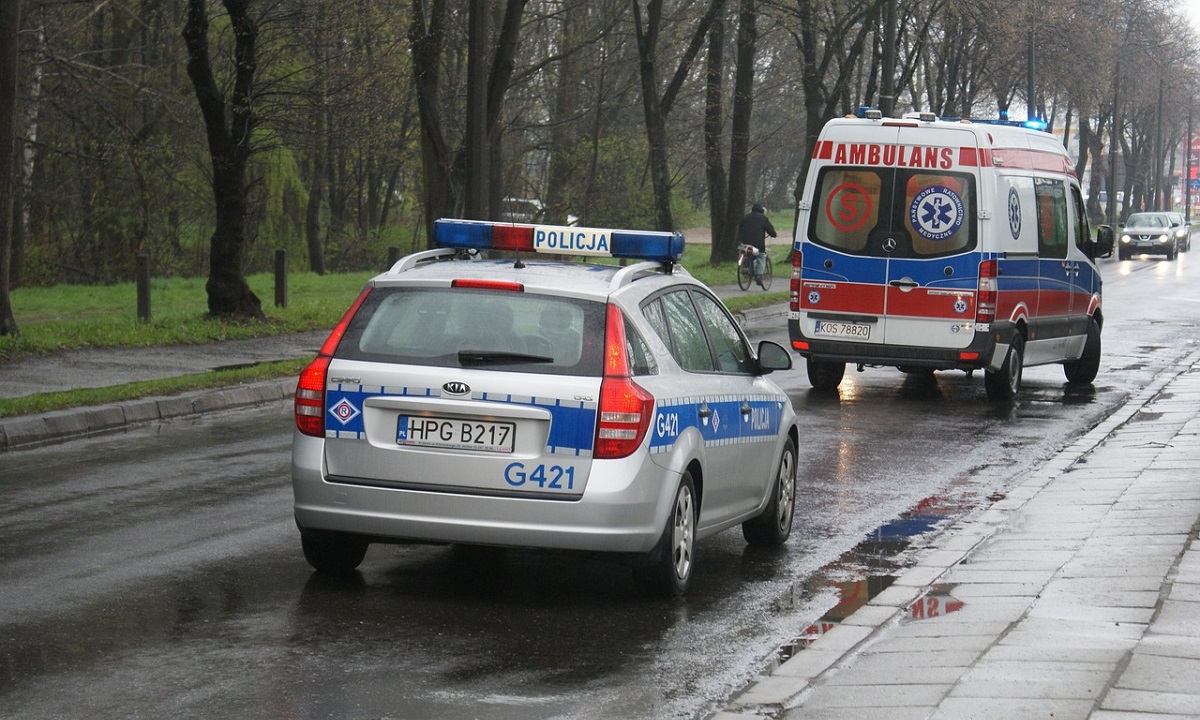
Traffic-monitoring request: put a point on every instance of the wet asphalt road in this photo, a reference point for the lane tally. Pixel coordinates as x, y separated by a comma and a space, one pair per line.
158, 573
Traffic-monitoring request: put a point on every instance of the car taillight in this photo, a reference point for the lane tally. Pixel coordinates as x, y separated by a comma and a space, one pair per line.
794, 295
985, 301
309, 404
624, 412
310, 398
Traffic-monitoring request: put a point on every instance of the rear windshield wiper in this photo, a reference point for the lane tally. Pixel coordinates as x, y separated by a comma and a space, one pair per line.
499, 357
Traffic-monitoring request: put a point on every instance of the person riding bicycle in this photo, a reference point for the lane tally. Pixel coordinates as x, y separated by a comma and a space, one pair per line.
753, 230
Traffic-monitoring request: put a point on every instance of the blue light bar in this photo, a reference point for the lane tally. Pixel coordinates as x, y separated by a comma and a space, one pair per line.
559, 240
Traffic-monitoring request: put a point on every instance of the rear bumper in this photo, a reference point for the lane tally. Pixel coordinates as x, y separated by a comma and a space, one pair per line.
981, 352
623, 509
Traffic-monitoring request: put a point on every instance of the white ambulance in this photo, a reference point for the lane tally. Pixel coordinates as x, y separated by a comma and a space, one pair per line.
929, 244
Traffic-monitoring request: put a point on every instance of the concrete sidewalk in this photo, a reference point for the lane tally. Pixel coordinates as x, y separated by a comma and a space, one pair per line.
1079, 592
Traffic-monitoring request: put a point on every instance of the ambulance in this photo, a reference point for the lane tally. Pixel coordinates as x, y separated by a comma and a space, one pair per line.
926, 244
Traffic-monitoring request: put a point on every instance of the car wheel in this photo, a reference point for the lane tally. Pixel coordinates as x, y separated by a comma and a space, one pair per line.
1085, 369
1003, 384
333, 553
825, 375
774, 525
666, 571
1171, 253
1122, 255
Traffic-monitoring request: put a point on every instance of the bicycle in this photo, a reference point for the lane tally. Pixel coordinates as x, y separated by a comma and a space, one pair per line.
745, 268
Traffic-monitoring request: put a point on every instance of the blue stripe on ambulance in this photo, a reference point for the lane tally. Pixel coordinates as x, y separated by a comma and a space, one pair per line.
572, 423
725, 424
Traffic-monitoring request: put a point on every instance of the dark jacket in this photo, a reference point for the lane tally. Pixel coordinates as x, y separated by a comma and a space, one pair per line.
754, 229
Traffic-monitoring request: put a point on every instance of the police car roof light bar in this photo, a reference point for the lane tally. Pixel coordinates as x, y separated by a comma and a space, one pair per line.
559, 240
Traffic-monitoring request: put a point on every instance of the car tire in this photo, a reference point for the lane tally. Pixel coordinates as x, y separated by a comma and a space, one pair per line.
666, 571
1084, 370
774, 525
333, 553
824, 375
1171, 253
1004, 384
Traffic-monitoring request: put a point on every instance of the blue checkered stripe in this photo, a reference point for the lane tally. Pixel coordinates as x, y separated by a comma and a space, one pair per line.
726, 425
572, 423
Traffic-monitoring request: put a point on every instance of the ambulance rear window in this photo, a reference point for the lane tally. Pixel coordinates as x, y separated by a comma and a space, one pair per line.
894, 212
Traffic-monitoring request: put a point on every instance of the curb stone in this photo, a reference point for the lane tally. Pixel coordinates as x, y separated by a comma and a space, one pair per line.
36, 430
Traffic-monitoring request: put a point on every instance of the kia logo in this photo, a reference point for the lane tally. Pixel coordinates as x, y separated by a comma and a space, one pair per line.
456, 388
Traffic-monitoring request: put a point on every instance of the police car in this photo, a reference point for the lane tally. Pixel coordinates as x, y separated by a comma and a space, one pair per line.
535, 402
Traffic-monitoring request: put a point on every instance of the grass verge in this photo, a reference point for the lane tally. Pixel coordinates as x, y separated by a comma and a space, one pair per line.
74, 317
86, 397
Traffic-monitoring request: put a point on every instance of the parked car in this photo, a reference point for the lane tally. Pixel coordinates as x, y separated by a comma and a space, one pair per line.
1148, 233
1183, 231
521, 210
540, 403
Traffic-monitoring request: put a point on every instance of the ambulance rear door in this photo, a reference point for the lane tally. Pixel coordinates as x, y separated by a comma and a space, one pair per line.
892, 253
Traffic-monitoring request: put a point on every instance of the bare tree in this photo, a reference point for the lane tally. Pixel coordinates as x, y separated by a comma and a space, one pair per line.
10, 27
648, 24
229, 125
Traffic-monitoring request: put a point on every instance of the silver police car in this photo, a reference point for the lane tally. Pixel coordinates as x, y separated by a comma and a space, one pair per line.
536, 402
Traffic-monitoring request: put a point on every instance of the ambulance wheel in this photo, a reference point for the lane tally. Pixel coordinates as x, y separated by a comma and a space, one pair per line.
1085, 369
666, 571
824, 375
774, 525
1003, 384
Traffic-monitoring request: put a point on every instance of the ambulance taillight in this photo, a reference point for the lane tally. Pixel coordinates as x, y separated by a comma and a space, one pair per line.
986, 298
794, 293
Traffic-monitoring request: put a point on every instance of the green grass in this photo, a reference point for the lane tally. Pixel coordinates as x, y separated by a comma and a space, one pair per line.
74, 317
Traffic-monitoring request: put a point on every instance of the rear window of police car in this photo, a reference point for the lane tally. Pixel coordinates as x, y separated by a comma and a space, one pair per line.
431, 326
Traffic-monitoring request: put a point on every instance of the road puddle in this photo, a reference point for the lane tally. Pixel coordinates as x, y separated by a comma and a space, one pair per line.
873, 565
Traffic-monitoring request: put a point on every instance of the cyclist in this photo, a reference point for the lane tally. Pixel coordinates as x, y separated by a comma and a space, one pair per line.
753, 230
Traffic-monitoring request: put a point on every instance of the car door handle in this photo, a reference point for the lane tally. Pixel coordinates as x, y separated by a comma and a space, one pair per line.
705, 412
746, 408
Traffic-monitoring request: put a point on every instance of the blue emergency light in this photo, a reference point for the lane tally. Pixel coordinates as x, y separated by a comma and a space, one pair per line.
559, 240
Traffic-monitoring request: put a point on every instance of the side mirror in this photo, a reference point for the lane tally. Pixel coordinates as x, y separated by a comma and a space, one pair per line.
772, 356
1102, 246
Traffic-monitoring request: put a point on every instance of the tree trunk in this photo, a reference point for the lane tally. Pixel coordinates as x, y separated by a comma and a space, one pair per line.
714, 111
739, 142
10, 27
563, 128
498, 79
427, 36
229, 147
656, 121
316, 189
